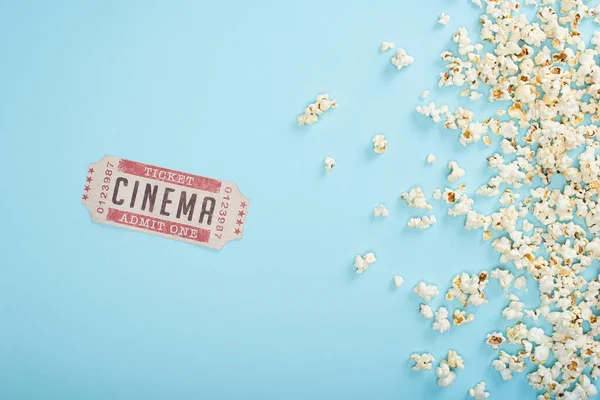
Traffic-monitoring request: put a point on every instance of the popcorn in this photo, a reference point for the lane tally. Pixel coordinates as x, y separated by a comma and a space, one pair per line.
398, 281
425, 291
446, 377
520, 282
456, 172
426, 311
385, 46
422, 361
431, 158
415, 198
422, 222
460, 317
504, 277
495, 339
478, 391
424, 94
312, 112
514, 309
379, 144
454, 360
441, 322
329, 163
444, 19
381, 211
363, 263
401, 59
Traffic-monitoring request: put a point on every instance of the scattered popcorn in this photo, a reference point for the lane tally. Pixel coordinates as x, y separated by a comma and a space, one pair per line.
422, 361
520, 282
444, 19
363, 263
415, 198
495, 339
422, 222
379, 144
381, 211
385, 46
425, 291
504, 277
454, 360
398, 281
474, 96
446, 377
441, 322
312, 112
456, 172
477, 3
478, 391
401, 59
426, 311
460, 317
424, 94
514, 309
431, 158
329, 163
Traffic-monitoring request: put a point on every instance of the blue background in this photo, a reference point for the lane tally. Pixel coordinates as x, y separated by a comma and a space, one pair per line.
213, 88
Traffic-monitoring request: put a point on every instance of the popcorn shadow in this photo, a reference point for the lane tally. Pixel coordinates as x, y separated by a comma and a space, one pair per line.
390, 72
370, 155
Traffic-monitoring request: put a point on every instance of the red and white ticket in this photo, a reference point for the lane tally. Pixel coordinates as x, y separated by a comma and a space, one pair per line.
163, 202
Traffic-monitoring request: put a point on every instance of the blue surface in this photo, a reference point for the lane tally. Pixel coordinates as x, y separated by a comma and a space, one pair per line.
213, 88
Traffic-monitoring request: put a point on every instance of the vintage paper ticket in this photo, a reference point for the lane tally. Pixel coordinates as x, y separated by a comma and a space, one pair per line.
164, 202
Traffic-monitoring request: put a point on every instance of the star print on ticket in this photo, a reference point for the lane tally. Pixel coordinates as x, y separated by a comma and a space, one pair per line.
164, 202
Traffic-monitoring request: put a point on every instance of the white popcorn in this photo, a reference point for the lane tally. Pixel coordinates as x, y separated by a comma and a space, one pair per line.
422, 222
444, 19
478, 391
520, 282
504, 276
477, 3
415, 198
446, 377
379, 144
495, 339
424, 94
363, 263
460, 317
454, 360
431, 158
422, 361
381, 211
426, 311
456, 172
401, 59
329, 163
385, 46
514, 309
441, 322
474, 96
425, 291
312, 112
398, 281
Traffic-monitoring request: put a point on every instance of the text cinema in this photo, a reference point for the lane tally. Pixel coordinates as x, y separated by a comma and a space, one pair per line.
185, 206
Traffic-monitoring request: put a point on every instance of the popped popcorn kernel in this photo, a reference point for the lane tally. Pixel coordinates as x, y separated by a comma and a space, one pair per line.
422, 361
398, 281
313, 111
385, 46
363, 263
456, 172
431, 158
401, 59
444, 19
425, 291
379, 144
422, 222
329, 163
478, 391
381, 211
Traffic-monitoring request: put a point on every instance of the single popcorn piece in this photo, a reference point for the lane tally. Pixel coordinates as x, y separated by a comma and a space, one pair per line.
363, 263
312, 112
398, 281
381, 211
424, 94
454, 360
446, 377
520, 282
504, 277
415, 198
401, 59
422, 361
426, 311
478, 391
431, 158
422, 222
444, 19
425, 291
329, 163
379, 144
385, 46
460, 317
441, 322
477, 3
495, 339
456, 172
